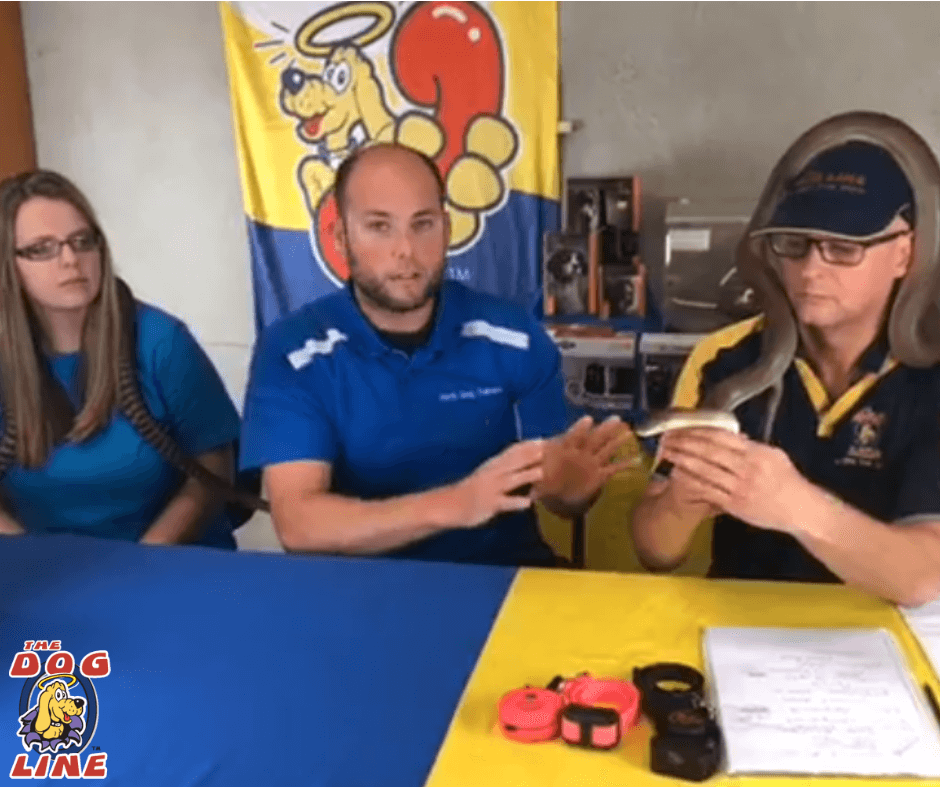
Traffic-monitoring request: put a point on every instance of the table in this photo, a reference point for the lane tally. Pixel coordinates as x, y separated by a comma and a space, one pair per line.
240, 668
249, 669
566, 622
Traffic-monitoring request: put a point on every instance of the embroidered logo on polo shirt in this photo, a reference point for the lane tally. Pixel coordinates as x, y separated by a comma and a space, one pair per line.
497, 334
300, 358
864, 451
477, 393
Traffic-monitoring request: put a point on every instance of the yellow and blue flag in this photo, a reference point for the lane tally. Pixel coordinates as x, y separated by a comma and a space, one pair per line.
473, 85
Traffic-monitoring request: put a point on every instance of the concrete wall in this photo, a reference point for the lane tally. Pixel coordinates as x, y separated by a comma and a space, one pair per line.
702, 99
699, 99
131, 101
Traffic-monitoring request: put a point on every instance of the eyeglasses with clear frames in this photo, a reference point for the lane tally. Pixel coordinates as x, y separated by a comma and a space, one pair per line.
82, 242
795, 246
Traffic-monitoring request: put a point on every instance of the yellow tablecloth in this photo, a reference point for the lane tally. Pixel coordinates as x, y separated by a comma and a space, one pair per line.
564, 622
608, 543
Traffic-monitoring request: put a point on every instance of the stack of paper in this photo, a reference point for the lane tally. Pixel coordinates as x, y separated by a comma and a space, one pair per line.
819, 701
925, 624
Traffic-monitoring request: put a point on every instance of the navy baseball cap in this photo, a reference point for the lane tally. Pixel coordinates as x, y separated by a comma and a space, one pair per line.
854, 190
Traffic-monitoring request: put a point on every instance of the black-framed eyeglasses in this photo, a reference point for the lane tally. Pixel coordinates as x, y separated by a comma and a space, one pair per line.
82, 242
796, 246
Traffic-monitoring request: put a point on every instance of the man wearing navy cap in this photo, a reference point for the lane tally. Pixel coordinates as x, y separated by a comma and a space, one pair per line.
849, 487
407, 415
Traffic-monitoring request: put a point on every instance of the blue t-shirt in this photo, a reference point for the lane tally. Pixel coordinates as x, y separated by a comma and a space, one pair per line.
325, 386
115, 485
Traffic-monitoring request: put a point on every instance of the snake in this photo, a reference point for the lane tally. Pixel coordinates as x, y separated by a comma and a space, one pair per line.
914, 319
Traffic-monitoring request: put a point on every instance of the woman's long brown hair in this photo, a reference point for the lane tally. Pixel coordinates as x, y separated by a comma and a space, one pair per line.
38, 415
37, 412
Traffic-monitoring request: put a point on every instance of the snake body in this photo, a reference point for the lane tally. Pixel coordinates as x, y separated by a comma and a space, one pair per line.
675, 418
914, 322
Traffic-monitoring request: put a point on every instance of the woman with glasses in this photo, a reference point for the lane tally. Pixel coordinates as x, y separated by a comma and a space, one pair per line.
72, 456
848, 487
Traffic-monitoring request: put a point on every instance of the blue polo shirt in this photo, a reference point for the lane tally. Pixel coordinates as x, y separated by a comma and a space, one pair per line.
115, 485
877, 447
325, 386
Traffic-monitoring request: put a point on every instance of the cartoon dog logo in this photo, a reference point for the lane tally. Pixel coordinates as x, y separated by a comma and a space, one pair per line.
867, 426
57, 719
866, 435
865, 450
340, 110
445, 57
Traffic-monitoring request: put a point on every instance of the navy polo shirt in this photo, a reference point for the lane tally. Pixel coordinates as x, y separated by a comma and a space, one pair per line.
877, 447
325, 386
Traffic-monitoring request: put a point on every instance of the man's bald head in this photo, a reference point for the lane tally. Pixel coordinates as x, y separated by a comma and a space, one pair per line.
393, 231
360, 160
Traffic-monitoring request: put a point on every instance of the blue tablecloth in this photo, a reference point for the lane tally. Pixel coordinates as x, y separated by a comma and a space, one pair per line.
241, 668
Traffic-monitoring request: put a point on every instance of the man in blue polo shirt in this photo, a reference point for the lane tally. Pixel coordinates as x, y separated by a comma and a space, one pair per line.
408, 415
849, 487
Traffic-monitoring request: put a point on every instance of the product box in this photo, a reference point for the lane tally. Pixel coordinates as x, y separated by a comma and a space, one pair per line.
599, 365
594, 267
619, 205
565, 273
661, 358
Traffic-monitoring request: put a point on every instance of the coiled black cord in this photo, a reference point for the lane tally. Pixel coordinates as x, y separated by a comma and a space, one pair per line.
131, 404
8, 445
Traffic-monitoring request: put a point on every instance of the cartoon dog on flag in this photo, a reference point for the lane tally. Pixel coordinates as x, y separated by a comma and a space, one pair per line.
445, 56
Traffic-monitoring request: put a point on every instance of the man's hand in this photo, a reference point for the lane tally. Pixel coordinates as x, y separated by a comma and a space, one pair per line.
751, 481
486, 492
579, 463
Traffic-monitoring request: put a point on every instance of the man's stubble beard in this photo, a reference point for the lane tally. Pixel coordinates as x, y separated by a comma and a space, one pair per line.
377, 293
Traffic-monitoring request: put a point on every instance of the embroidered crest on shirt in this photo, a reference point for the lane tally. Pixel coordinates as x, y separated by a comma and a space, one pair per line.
865, 450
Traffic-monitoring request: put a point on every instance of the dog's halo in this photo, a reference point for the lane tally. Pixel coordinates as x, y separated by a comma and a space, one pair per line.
382, 13
54, 676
